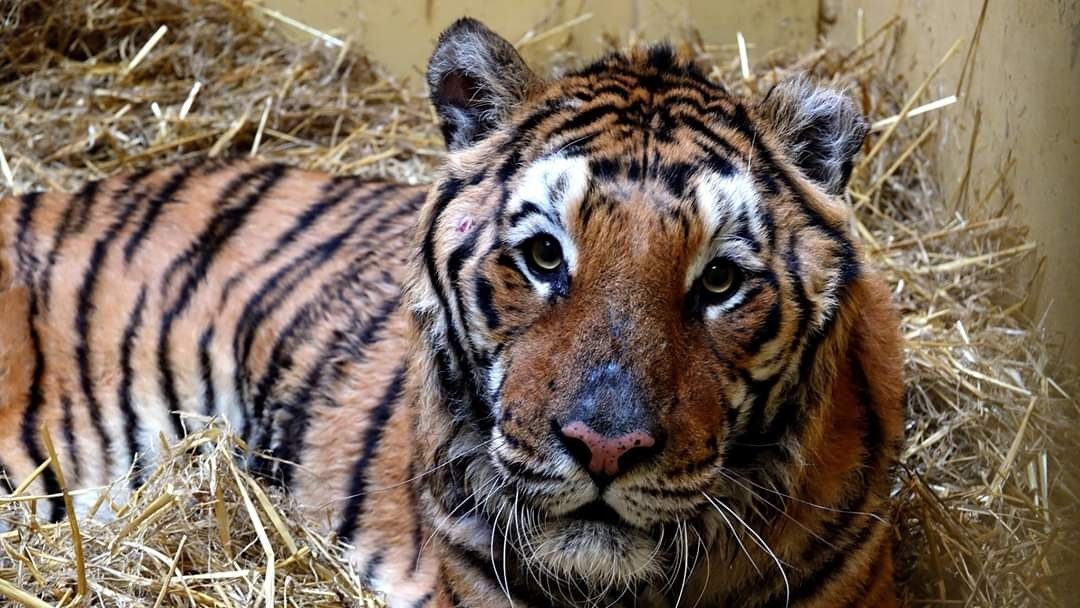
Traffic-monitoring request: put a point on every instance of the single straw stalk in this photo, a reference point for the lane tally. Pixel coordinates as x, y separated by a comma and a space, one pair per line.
891, 129
72, 517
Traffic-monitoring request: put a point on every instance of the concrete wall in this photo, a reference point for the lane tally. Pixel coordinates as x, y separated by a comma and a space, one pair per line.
400, 34
1024, 82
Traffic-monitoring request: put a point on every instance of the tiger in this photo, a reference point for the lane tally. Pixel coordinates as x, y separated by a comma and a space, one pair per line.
625, 350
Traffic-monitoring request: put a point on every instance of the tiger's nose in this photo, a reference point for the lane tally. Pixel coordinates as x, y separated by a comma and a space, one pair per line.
606, 457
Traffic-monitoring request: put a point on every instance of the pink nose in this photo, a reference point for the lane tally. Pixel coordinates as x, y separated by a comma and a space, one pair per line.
603, 453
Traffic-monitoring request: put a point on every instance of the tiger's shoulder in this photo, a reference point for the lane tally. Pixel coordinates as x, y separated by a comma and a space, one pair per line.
137, 302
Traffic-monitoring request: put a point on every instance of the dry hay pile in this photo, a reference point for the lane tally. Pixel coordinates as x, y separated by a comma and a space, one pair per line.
985, 505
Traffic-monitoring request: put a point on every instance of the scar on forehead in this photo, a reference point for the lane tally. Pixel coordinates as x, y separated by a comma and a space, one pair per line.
465, 224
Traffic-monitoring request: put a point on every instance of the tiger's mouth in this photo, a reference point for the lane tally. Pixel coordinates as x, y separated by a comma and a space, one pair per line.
596, 546
598, 511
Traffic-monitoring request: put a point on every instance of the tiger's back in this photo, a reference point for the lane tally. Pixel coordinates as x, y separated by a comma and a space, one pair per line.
257, 293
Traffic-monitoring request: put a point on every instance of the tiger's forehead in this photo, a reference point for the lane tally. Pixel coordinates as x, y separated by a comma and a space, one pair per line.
552, 185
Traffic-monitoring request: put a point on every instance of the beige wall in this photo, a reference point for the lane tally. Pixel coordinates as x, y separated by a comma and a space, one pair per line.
1025, 83
400, 34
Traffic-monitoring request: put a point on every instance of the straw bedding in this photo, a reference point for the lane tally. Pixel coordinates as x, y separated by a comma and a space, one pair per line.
986, 503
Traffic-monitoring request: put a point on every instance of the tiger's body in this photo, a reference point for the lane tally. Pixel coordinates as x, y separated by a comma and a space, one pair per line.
264, 295
624, 351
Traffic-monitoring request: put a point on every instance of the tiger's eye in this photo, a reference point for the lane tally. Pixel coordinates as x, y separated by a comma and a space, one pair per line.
719, 277
545, 252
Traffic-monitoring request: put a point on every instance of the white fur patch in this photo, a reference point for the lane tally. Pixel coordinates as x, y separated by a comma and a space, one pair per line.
495, 378
554, 184
605, 556
724, 201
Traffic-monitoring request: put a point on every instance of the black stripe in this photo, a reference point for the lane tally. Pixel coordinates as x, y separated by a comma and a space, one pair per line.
849, 265
577, 145
206, 371
831, 559
793, 267
323, 205
587, 118
330, 200
677, 177
78, 203
128, 201
695, 104
35, 398
24, 242
199, 257
527, 208
281, 357
481, 564
816, 581
273, 291
454, 264
790, 412
35, 401
372, 567
768, 330
152, 210
227, 217
857, 597
745, 451
720, 152
257, 309
377, 420
455, 599
485, 302
424, 600
127, 378
448, 190
646, 144
69, 436
295, 429
610, 88
605, 168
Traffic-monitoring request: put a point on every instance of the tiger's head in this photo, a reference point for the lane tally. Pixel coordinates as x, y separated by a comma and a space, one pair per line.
624, 278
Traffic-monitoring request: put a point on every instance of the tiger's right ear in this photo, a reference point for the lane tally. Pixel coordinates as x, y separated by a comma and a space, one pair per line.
476, 78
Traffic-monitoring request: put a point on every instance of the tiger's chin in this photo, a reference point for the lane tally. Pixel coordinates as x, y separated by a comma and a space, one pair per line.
609, 556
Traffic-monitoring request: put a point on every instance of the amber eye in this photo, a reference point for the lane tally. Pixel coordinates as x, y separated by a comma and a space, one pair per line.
544, 253
720, 277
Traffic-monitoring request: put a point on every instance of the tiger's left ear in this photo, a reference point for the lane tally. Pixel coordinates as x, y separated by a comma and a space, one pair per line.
476, 78
820, 128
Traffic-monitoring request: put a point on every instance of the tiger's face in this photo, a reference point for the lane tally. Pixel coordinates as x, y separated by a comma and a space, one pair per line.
622, 280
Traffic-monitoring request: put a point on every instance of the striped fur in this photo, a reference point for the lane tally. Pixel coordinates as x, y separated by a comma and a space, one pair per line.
406, 370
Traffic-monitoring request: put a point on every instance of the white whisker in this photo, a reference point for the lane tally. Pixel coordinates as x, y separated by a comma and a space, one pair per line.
761, 543
806, 502
708, 566
685, 562
504, 584
780, 510
734, 532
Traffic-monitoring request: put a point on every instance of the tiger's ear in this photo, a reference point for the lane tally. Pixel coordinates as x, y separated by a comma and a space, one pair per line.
476, 78
820, 128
